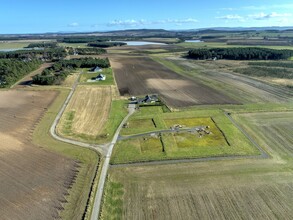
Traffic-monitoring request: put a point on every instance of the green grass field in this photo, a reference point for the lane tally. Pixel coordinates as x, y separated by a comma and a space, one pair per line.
86, 75
180, 145
13, 45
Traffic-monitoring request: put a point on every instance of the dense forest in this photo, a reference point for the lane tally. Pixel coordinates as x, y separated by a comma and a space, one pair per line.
43, 45
12, 70
49, 54
82, 39
248, 53
61, 69
106, 44
86, 51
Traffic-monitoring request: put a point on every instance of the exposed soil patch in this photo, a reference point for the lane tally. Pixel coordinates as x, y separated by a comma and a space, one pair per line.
33, 181
141, 75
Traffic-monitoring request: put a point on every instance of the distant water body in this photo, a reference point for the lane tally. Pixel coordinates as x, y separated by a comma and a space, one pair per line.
193, 41
141, 43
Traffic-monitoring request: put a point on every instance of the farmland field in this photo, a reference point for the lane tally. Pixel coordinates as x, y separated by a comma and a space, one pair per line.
141, 76
220, 75
272, 129
33, 181
86, 113
232, 189
210, 190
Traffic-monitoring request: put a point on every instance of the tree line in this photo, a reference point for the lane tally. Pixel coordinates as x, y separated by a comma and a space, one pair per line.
12, 70
57, 73
247, 53
86, 51
106, 44
43, 45
48, 54
74, 40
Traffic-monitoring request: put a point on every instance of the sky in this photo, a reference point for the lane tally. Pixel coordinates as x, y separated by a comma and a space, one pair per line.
35, 16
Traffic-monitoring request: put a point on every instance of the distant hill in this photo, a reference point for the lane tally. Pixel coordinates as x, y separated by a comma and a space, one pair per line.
149, 32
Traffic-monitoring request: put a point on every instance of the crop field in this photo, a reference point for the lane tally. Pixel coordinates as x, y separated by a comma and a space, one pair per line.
272, 129
221, 76
33, 181
141, 75
210, 190
87, 112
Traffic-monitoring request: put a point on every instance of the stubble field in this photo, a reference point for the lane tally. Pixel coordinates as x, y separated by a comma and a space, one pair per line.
33, 181
86, 113
141, 75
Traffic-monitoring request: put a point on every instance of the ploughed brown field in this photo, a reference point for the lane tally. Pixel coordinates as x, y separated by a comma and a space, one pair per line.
32, 180
136, 76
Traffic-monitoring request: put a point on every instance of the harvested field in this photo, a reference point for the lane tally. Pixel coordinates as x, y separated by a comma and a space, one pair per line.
199, 191
273, 130
87, 112
141, 75
220, 74
33, 181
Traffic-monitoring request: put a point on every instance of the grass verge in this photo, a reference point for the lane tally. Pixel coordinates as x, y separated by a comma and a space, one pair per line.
112, 200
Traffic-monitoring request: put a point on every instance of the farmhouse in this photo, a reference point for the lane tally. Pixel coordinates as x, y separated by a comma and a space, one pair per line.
100, 77
97, 69
148, 99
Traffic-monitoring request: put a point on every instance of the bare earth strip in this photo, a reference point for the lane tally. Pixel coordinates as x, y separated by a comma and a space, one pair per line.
141, 76
32, 180
91, 107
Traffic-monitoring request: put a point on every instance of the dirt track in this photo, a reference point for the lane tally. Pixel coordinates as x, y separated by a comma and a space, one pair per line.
27, 80
141, 75
32, 180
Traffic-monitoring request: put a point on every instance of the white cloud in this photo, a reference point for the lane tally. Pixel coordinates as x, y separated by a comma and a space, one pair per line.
268, 7
234, 17
127, 22
260, 7
74, 24
266, 16
134, 23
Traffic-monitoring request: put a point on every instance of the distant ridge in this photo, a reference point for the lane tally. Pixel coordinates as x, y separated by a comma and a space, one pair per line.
155, 32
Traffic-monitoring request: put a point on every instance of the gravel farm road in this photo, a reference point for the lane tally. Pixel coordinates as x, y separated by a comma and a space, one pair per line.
104, 150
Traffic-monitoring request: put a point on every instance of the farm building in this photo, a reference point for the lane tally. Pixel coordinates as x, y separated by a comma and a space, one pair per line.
97, 69
148, 99
100, 77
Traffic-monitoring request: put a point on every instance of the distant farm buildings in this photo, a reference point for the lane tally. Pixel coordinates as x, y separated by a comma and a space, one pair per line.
148, 99
97, 69
100, 77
